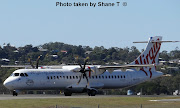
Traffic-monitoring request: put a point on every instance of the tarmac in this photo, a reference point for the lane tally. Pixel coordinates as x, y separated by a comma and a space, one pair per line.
46, 96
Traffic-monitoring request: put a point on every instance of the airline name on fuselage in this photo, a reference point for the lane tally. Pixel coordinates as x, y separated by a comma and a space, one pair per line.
149, 56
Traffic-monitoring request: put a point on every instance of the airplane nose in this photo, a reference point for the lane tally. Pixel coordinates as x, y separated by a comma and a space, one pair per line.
8, 84
5, 83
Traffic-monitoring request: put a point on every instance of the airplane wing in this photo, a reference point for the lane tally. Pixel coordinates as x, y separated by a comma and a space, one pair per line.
124, 67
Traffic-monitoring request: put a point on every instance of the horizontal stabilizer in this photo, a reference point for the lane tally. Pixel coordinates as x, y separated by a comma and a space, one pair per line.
155, 41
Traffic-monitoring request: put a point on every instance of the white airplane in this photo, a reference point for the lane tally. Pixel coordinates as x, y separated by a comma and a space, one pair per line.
89, 78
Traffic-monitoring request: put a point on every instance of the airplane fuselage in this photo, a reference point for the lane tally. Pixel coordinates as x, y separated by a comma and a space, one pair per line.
60, 79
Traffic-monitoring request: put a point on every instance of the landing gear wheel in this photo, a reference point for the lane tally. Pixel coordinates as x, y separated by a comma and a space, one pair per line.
67, 93
15, 93
92, 93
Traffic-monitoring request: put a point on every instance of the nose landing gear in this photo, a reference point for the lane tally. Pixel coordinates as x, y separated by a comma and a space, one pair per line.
15, 93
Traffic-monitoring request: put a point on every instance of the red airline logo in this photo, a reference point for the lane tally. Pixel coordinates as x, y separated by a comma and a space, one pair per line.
149, 58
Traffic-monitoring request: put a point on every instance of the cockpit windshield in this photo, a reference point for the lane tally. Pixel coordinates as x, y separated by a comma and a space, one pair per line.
25, 74
20, 74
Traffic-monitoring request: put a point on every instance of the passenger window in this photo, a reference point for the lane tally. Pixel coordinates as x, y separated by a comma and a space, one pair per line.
16, 74
76, 77
121, 76
21, 74
51, 77
67, 77
112, 77
106, 77
25, 74
96, 77
57, 77
92, 77
70, 77
118, 76
73, 77
115, 76
54, 77
47, 77
103, 77
109, 77
99, 77
64, 77
124, 76
60, 77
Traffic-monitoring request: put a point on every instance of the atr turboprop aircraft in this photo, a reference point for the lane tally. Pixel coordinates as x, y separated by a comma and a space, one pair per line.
90, 78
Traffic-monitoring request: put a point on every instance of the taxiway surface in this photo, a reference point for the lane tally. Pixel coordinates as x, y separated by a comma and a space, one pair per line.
45, 96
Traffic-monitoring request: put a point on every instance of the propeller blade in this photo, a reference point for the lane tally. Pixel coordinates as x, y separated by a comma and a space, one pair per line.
79, 79
80, 65
30, 63
37, 61
85, 62
87, 58
77, 60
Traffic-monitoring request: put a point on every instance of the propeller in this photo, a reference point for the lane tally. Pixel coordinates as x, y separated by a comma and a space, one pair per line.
83, 71
31, 63
37, 62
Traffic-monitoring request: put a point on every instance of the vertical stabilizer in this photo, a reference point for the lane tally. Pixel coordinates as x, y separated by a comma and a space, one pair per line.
150, 55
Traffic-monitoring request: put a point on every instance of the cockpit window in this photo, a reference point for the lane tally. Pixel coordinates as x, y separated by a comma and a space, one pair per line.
16, 74
25, 74
21, 74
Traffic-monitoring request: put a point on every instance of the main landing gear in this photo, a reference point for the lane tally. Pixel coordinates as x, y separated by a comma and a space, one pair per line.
92, 92
67, 93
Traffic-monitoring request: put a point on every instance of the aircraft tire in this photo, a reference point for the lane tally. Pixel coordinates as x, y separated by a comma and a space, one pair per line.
92, 93
15, 93
67, 93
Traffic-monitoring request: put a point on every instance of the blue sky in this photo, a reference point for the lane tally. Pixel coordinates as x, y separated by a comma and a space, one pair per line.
37, 22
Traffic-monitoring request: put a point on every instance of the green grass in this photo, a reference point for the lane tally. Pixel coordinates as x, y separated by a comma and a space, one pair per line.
91, 102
